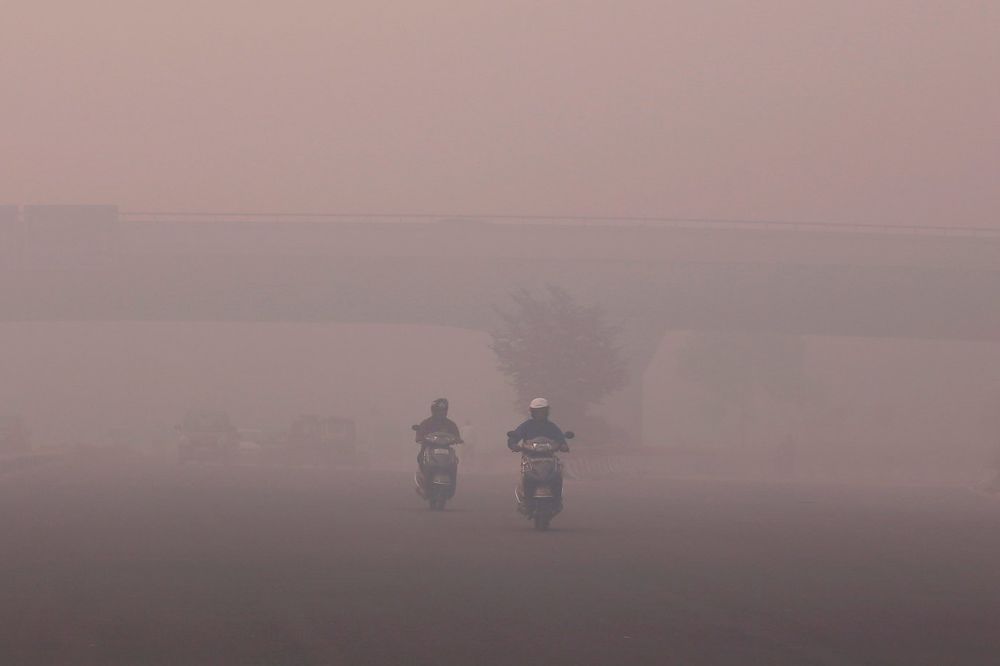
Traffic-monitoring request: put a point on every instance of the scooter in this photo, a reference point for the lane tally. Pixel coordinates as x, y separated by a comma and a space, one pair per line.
437, 477
539, 495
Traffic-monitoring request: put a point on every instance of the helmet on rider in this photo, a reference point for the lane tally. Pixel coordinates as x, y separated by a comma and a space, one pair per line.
439, 408
539, 408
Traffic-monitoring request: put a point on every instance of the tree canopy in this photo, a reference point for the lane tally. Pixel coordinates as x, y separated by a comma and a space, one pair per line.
550, 345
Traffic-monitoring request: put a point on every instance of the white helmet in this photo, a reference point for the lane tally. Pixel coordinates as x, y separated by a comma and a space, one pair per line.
539, 403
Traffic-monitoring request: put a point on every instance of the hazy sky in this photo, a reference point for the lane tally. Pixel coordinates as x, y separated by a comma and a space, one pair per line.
849, 110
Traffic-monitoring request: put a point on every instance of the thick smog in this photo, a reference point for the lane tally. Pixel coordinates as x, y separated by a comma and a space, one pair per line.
439, 333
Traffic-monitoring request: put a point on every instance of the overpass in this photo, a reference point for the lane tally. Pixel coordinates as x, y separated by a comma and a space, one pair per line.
94, 263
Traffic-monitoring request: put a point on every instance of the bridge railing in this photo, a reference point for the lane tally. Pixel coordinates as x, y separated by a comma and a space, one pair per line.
556, 220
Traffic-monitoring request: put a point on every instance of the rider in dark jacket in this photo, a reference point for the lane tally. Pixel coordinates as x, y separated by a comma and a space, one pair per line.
438, 422
537, 426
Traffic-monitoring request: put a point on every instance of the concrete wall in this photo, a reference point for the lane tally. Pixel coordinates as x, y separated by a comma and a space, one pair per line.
10, 237
882, 404
66, 237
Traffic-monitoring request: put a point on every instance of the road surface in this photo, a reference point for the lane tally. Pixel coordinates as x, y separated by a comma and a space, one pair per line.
133, 563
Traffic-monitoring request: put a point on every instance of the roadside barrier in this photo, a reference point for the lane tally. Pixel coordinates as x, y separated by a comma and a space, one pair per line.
17, 461
592, 467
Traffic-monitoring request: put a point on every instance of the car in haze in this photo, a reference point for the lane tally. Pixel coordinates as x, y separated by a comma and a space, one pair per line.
207, 436
324, 440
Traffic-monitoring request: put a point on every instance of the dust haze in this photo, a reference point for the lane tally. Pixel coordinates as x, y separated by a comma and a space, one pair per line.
750, 253
851, 111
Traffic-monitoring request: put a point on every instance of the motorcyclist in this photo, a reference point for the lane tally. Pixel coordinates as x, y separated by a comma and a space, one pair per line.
437, 422
538, 425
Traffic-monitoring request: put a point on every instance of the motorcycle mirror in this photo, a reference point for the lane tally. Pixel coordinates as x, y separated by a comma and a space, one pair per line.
569, 434
415, 428
511, 433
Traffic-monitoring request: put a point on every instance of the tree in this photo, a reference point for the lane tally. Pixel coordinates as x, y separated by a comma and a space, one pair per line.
550, 345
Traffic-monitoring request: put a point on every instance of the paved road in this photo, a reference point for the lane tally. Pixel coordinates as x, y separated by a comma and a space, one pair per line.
135, 564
